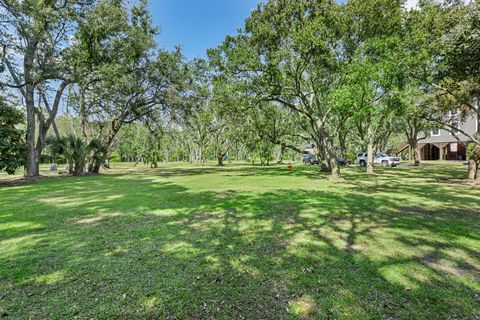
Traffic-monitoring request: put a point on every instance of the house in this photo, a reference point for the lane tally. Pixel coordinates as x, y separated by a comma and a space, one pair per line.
441, 144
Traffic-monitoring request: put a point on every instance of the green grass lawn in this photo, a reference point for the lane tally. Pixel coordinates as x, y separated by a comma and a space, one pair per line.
242, 242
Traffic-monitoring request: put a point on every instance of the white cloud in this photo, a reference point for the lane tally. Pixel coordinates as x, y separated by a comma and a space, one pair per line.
411, 4
414, 3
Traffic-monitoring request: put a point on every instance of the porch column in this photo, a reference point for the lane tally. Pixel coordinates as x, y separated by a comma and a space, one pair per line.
441, 152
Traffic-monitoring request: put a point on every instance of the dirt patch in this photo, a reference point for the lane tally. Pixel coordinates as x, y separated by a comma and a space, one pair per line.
280, 292
420, 210
436, 261
429, 258
227, 195
203, 216
287, 209
272, 248
15, 182
465, 268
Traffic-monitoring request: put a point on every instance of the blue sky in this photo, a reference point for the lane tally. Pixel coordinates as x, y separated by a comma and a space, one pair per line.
198, 24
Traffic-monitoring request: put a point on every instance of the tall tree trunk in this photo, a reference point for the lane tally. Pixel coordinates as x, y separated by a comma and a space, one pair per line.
42, 133
282, 151
370, 149
325, 166
116, 124
32, 157
220, 160
474, 161
472, 169
83, 113
96, 168
323, 156
44, 125
415, 151
335, 176
167, 156
417, 155
477, 176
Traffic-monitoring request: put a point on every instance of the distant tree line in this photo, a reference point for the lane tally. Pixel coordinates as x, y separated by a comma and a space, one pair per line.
343, 78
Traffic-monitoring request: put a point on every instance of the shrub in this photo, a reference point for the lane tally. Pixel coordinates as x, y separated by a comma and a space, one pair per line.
13, 149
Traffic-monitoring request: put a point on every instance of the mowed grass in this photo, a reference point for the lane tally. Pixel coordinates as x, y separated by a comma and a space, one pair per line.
245, 242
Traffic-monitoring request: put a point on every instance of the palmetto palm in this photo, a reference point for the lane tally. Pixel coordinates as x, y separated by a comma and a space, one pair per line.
71, 149
97, 153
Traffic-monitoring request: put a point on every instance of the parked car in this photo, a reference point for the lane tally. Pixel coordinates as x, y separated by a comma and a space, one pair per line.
342, 162
378, 158
309, 159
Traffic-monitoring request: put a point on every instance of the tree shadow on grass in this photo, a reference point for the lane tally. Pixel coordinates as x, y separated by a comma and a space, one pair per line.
135, 247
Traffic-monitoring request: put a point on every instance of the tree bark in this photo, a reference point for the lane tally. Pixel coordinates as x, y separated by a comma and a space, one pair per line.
472, 170
370, 150
474, 160
42, 133
417, 158
83, 112
220, 160
32, 157
370, 159
44, 125
96, 168
415, 150
335, 176
325, 166
282, 151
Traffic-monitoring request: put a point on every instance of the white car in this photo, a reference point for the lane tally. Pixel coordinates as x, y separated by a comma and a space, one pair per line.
378, 158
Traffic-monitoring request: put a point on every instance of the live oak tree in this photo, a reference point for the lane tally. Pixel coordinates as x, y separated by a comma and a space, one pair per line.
103, 53
129, 77
132, 142
247, 121
412, 120
277, 127
223, 130
229, 107
462, 78
446, 37
99, 52
194, 113
288, 55
372, 71
329, 64
159, 143
33, 39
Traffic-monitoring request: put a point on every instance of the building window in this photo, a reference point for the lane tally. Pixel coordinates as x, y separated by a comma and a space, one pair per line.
453, 112
435, 132
455, 127
453, 147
